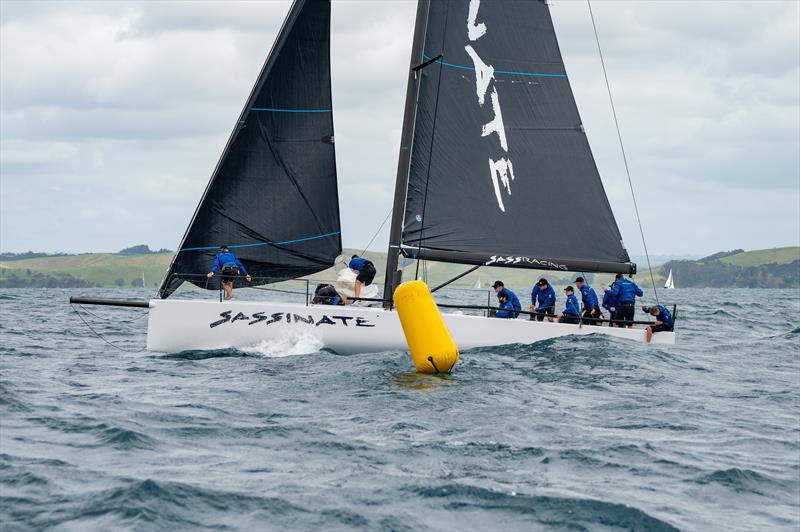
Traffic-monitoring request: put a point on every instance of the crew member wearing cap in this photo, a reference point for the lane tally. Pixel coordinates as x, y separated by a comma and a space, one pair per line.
543, 294
506, 308
591, 310
226, 263
512, 301
572, 311
664, 320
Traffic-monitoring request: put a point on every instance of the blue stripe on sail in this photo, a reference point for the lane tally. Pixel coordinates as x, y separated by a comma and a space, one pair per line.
511, 72
276, 110
212, 248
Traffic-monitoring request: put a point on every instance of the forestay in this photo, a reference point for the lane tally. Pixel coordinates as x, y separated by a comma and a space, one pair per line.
273, 197
500, 171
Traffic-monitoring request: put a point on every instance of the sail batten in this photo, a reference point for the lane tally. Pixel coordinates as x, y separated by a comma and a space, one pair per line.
500, 165
273, 194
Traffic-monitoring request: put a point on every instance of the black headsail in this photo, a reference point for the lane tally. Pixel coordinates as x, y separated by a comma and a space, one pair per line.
500, 171
273, 197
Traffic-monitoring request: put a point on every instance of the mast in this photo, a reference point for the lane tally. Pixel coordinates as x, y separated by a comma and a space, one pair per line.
394, 275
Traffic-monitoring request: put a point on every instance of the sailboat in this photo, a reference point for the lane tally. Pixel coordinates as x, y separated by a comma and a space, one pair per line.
670, 282
478, 285
490, 127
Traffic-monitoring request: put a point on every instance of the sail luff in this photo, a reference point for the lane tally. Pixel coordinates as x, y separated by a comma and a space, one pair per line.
393, 273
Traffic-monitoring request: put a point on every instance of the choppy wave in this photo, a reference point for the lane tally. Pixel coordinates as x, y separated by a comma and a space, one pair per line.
559, 512
586, 433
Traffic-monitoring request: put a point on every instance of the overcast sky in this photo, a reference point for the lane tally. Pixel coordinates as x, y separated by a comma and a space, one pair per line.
113, 115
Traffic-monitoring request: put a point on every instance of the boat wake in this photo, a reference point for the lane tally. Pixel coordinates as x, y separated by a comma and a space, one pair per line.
290, 344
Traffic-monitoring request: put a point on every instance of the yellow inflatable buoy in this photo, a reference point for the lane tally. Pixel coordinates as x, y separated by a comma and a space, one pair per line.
432, 348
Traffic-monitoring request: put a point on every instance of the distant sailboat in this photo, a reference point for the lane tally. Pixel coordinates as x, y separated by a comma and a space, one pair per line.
478, 284
670, 282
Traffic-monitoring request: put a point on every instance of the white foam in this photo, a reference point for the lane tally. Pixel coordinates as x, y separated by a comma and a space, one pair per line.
290, 344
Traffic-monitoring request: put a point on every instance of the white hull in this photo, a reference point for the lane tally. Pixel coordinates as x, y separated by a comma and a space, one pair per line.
181, 325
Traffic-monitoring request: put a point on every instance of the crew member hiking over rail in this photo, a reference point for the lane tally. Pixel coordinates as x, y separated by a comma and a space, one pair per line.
229, 266
366, 272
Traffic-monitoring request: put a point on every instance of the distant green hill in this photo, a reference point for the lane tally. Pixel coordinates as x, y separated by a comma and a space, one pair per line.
770, 267
763, 268
96, 269
764, 256
111, 269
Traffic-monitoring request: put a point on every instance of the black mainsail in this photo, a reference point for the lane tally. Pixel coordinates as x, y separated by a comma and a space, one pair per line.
273, 196
495, 167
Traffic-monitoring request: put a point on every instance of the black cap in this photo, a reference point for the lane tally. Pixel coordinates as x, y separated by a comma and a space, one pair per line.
579, 280
223, 246
542, 282
497, 283
354, 256
569, 289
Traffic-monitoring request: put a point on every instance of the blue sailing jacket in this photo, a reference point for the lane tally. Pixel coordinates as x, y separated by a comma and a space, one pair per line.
546, 297
625, 291
588, 296
513, 301
357, 263
608, 298
572, 308
664, 316
507, 312
227, 259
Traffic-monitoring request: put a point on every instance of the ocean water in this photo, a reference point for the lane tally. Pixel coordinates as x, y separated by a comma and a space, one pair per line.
585, 433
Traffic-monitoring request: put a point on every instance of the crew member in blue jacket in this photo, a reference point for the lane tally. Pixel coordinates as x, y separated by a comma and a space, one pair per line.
664, 320
591, 309
507, 308
625, 292
512, 299
366, 272
609, 302
229, 266
572, 311
543, 294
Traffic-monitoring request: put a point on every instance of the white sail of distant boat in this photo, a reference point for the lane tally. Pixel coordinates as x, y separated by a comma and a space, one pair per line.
478, 284
670, 282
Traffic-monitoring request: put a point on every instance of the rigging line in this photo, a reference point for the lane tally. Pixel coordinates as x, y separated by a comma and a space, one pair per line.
87, 311
433, 138
98, 334
622, 149
376, 233
296, 292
